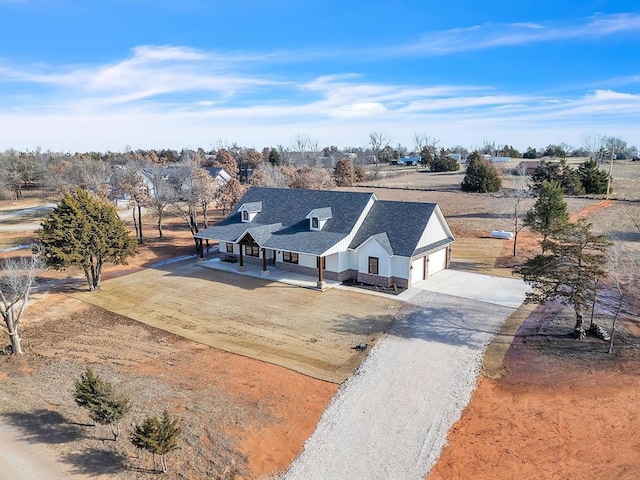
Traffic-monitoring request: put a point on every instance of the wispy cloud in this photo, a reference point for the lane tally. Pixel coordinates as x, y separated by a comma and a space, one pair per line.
200, 91
488, 36
150, 72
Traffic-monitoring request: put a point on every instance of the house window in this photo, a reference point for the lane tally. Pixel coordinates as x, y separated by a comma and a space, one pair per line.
229, 247
245, 216
314, 222
290, 257
252, 250
373, 265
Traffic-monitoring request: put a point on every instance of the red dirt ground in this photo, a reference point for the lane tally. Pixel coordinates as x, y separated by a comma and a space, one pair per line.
563, 409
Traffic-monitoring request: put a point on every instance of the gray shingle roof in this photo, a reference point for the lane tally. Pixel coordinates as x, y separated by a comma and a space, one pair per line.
251, 207
282, 223
289, 208
322, 213
402, 222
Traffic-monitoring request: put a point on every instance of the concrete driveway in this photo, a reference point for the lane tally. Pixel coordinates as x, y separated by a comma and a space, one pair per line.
391, 418
508, 292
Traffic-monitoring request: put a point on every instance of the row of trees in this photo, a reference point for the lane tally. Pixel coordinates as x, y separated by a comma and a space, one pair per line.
482, 176
57, 171
106, 406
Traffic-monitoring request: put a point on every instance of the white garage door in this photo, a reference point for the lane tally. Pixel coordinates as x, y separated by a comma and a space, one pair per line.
437, 261
417, 270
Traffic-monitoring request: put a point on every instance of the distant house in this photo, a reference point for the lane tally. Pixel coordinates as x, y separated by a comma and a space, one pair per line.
527, 167
219, 175
173, 176
335, 235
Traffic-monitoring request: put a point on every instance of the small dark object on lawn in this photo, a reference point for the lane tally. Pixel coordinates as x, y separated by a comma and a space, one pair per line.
360, 347
230, 259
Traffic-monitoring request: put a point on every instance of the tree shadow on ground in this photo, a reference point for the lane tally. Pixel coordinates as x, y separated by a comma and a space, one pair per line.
95, 461
436, 318
480, 215
44, 426
624, 236
468, 266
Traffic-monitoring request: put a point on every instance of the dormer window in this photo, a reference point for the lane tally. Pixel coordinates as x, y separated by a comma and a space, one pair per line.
319, 217
248, 211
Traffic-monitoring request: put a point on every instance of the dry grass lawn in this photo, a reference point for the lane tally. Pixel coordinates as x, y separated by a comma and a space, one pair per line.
302, 329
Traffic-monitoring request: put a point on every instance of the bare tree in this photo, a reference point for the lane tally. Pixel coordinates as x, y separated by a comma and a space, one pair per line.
225, 159
230, 194
515, 197
595, 145
267, 175
378, 141
615, 145
624, 273
308, 150
11, 166
422, 140
164, 194
130, 181
203, 189
17, 278
312, 179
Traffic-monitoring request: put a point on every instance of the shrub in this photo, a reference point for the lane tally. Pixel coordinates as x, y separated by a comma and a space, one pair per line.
482, 176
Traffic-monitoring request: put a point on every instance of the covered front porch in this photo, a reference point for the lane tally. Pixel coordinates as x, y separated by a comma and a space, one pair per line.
275, 274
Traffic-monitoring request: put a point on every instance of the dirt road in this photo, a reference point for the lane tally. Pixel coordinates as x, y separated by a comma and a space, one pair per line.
22, 460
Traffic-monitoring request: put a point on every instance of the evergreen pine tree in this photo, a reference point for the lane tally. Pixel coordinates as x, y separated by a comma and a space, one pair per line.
105, 405
85, 232
157, 436
549, 214
482, 176
593, 179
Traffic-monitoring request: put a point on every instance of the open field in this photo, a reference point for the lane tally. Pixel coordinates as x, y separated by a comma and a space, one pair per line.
308, 331
252, 418
625, 174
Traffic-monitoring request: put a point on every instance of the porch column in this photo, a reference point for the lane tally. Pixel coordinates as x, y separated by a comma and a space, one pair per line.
200, 249
265, 272
320, 273
241, 267
448, 256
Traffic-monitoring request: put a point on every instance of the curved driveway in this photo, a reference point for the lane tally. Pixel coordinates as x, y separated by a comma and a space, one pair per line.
390, 419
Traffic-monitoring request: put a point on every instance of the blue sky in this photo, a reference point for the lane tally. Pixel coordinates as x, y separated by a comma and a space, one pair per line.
79, 75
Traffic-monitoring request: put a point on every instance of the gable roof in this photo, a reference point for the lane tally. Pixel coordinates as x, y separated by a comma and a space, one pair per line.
281, 221
251, 207
322, 213
401, 222
383, 240
289, 209
215, 171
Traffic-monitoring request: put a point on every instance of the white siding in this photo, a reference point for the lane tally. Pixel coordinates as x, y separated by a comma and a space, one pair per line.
437, 261
343, 244
338, 262
371, 248
307, 260
417, 270
400, 267
434, 232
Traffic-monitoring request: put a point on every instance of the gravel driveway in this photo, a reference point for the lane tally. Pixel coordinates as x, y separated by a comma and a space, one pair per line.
390, 419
